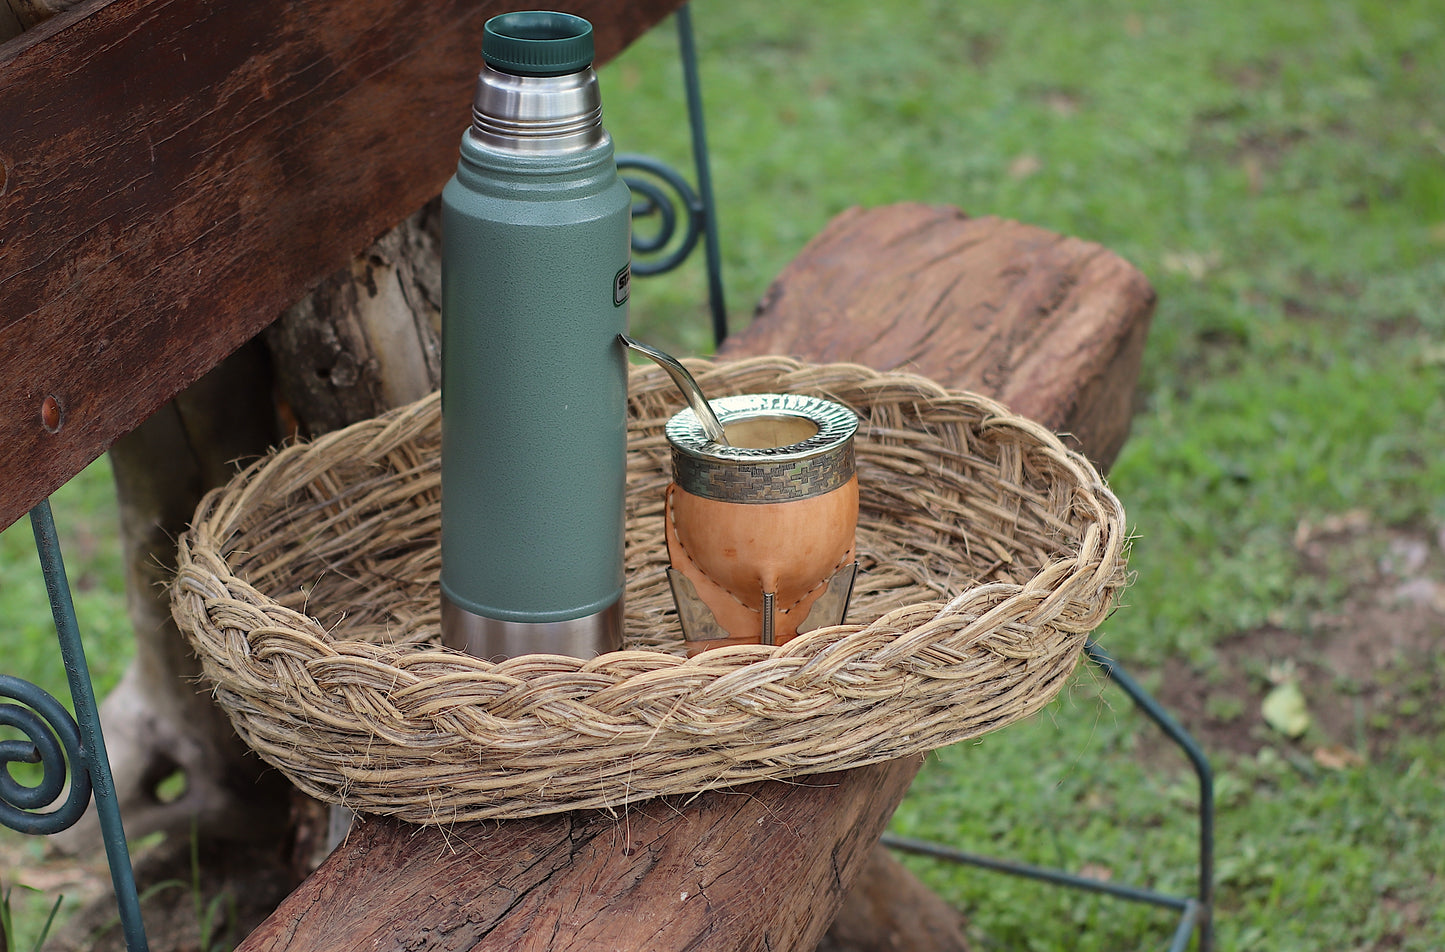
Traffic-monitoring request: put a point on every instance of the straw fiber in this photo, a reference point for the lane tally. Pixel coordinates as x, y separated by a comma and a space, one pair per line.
308, 586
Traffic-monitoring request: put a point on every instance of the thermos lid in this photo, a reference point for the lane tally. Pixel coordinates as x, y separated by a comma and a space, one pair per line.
537, 43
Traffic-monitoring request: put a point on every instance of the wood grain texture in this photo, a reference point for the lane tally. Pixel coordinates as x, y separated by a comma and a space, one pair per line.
1052, 326
174, 173
742, 869
366, 338
890, 910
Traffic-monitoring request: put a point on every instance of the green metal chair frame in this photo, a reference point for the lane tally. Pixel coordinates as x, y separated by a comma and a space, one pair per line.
75, 746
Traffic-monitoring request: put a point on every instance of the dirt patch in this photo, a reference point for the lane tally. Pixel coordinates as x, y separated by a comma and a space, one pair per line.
1369, 672
212, 905
189, 903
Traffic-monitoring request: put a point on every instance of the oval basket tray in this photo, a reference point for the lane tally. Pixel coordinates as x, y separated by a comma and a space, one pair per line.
308, 586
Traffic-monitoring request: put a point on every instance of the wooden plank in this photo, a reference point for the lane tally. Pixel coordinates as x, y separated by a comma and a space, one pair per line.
174, 173
775, 858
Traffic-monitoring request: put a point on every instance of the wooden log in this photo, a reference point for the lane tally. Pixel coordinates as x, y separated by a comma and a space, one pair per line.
1052, 326
890, 910
552, 882
739, 869
175, 173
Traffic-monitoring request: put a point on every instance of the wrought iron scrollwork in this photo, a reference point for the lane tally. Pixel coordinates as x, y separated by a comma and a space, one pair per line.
52, 740
661, 197
666, 196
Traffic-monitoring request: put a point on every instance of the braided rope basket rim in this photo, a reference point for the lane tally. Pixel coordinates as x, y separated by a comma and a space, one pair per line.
307, 586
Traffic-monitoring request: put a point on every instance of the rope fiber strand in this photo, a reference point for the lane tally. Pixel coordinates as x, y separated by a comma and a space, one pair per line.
308, 586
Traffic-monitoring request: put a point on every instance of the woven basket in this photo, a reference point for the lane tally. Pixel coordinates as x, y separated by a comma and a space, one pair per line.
308, 586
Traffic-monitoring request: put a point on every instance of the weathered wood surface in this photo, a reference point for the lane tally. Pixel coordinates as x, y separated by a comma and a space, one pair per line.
1052, 326
175, 173
775, 858
891, 910
737, 870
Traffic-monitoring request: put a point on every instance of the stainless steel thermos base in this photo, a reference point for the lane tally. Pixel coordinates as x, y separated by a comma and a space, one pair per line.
495, 639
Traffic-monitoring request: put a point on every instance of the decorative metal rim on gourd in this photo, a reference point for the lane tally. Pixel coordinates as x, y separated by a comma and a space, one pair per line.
812, 465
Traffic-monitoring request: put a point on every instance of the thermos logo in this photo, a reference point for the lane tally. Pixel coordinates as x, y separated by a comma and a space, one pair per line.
621, 284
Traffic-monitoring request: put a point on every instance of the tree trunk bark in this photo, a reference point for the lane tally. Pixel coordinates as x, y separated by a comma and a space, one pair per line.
367, 338
17, 16
890, 910
159, 720
364, 340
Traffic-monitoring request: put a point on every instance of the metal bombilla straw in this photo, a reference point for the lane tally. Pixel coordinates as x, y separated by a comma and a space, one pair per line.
687, 384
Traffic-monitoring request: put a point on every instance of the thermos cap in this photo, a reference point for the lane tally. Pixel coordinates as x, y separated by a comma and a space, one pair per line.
537, 43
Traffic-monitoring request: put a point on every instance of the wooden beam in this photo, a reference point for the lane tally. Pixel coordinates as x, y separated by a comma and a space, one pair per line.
174, 173
1052, 326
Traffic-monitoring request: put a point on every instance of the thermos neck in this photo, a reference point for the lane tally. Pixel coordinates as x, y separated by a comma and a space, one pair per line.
537, 114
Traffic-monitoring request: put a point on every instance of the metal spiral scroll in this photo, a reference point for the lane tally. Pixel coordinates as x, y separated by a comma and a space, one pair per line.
53, 741
665, 196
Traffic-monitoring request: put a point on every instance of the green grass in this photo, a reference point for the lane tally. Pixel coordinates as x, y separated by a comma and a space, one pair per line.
1277, 170
84, 511
10, 929
1307, 858
86, 521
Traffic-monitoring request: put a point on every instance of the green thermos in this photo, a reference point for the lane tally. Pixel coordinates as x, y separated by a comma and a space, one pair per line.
535, 276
